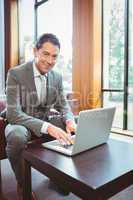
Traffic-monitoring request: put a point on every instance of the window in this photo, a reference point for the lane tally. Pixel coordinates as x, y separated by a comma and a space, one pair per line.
56, 17
113, 62
118, 60
26, 30
53, 16
2, 72
130, 67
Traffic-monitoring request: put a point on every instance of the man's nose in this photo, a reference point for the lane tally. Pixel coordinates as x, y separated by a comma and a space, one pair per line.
50, 59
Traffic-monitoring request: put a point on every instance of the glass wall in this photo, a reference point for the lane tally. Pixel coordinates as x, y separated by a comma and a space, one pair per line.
53, 16
130, 68
56, 17
118, 60
111, 99
26, 29
2, 71
113, 59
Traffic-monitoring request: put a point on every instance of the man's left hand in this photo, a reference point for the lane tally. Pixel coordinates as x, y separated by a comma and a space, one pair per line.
70, 126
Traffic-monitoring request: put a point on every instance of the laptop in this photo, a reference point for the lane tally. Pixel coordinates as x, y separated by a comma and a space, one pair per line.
93, 129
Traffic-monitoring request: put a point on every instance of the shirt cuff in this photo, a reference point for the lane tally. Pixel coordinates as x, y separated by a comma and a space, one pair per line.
44, 128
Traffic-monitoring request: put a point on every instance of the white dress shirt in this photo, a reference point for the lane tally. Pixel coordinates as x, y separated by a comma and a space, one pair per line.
38, 89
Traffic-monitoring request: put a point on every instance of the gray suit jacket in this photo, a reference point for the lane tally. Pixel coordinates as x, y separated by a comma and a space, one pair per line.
23, 106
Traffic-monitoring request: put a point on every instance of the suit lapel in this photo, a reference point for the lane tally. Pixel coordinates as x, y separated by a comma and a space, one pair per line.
30, 82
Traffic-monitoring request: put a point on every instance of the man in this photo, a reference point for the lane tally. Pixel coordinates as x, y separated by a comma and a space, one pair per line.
33, 89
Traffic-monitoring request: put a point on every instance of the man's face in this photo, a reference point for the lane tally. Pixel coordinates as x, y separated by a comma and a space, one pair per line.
46, 56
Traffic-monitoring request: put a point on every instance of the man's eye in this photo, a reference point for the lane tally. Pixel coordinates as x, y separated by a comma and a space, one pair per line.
45, 54
55, 56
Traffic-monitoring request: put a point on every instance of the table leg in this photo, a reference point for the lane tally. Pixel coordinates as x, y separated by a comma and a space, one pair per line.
27, 192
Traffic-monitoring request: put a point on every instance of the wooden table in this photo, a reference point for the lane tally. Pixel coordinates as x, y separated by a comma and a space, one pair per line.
96, 174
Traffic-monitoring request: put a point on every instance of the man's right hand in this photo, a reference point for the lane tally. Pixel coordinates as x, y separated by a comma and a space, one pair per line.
59, 134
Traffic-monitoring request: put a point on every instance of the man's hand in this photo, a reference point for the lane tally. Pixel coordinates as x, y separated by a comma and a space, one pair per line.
59, 134
70, 126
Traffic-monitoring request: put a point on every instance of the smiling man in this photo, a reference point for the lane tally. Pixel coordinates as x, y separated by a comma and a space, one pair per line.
33, 90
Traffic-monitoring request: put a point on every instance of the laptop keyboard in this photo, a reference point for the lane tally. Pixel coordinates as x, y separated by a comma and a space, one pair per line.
66, 146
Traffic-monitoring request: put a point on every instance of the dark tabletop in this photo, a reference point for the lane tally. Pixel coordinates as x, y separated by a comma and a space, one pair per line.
98, 169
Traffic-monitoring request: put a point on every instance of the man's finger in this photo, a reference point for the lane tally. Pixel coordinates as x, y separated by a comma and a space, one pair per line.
68, 131
67, 139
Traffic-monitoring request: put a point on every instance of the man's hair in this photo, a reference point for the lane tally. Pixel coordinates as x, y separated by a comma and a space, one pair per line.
47, 37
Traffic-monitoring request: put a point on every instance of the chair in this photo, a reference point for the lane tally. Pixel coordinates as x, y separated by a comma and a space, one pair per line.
2, 139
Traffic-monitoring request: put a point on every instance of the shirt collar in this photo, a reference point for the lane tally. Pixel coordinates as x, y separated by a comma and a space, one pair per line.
36, 71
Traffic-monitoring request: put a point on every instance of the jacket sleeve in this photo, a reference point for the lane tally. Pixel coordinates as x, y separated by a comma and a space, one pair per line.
14, 114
